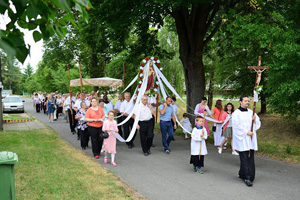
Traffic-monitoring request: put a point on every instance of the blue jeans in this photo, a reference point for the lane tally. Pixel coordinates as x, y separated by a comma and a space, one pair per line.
166, 127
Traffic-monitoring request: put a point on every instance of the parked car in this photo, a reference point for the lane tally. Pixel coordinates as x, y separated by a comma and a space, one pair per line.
13, 104
4, 94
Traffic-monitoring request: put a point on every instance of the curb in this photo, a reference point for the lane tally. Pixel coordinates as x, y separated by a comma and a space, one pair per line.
17, 121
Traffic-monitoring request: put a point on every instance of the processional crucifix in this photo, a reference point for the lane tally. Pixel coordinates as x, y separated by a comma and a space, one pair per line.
258, 69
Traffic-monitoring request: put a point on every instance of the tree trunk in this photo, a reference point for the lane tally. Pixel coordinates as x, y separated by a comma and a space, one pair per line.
263, 103
211, 90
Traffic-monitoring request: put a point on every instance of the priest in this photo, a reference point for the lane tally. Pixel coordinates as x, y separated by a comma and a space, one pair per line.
245, 140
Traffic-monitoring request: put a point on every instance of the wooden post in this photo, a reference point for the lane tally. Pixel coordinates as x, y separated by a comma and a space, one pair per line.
124, 75
81, 97
157, 103
70, 95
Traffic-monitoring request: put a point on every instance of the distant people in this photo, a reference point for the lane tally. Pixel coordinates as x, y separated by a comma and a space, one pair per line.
109, 146
107, 103
175, 108
126, 109
198, 145
117, 110
36, 103
186, 124
166, 127
65, 108
102, 105
217, 114
95, 116
199, 109
50, 108
59, 105
245, 140
145, 124
41, 98
71, 113
44, 103
82, 125
227, 127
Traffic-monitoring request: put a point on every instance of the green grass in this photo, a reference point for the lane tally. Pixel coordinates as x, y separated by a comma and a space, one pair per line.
15, 117
49, 168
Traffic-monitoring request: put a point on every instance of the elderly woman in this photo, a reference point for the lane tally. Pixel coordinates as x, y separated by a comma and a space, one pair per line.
82, 125
95, 116
102, 105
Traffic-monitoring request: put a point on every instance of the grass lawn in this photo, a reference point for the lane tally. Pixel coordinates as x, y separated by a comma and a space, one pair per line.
49, 168
16, 117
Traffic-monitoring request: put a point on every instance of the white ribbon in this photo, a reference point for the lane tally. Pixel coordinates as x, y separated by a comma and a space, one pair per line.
117, 135
226, 120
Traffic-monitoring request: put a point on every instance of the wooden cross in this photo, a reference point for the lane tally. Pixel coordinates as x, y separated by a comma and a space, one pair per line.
259, 69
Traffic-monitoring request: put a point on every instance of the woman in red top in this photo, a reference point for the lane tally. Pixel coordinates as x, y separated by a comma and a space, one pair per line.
217, 114
95, 116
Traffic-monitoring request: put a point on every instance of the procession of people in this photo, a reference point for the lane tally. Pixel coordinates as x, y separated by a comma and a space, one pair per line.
95, 119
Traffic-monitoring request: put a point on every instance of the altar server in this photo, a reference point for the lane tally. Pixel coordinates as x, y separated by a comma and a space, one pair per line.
245, 140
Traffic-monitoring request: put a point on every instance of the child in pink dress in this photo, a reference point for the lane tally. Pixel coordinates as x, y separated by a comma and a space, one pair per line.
109, 145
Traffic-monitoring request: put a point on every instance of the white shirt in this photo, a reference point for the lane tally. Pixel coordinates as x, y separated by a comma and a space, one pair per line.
241, 124
175, 108
118, 104
78, 102
196, 141
145, 112
109, 106
126, 107
68, 102
41, 97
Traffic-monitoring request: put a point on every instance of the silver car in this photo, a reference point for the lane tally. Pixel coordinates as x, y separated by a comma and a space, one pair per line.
13, 104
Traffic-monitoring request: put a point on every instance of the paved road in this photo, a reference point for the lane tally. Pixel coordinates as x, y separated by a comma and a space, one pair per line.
161, 176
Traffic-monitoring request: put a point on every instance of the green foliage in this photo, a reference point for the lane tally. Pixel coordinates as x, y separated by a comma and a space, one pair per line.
46, 17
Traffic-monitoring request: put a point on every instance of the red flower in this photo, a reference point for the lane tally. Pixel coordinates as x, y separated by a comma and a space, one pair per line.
141, 71
142, 64
158, 64
155, 58
137, 93
141, 78
147, 59
140, 85
156, 86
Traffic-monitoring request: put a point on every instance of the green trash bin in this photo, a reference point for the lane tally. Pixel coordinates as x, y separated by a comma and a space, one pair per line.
7, 180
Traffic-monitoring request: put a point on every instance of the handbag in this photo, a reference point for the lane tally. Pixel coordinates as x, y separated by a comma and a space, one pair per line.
214, 128
104, 135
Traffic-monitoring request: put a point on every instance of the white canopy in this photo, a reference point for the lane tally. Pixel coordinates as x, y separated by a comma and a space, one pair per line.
104, 81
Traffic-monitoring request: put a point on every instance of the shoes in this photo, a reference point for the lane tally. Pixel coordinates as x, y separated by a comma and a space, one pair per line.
194, 168
96, 157
167, 151
153, 145
83, 148
224, 148
113, 164
105, 160
200, 171
129, 146
219, 150
248, 183
235, 153
149, 152
146, 154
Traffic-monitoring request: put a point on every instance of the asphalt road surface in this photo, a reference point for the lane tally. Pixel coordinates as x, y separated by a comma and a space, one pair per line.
162, 176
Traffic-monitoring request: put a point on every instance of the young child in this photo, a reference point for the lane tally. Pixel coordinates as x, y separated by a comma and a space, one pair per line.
186, 124
199, 135
109, 146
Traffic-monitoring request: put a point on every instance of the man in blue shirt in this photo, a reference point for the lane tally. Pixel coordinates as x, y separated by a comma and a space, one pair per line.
166, 115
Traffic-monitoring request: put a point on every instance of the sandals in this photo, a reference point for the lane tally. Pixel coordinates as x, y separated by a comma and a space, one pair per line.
113, 164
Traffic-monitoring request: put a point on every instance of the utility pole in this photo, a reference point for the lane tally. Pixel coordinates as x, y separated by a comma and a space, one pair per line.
1, 106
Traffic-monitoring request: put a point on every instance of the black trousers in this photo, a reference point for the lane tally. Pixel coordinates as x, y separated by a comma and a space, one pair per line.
119, 120
44, 107
84, 137
146, 134
37, 107
59, 110
96, 140
73, 122
127, 127
247, 167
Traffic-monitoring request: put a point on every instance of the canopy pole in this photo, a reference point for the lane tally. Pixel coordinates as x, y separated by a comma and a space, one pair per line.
81, 97
104, 68
70, 93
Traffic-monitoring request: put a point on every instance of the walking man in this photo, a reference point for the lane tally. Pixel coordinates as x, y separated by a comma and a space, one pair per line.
166, 115
145, 125
245, 140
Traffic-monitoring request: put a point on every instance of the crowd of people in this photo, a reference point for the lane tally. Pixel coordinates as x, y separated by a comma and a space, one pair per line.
95, 118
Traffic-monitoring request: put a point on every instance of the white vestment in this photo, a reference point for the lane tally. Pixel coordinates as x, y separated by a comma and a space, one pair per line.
196, 140
241, 124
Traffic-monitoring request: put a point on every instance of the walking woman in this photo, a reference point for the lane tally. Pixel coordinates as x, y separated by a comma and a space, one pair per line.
217, 114
95, 116
50, 107
82, 126
199, 109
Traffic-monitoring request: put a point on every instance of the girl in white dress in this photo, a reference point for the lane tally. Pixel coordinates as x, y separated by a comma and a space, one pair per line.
186, 124
198, 145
